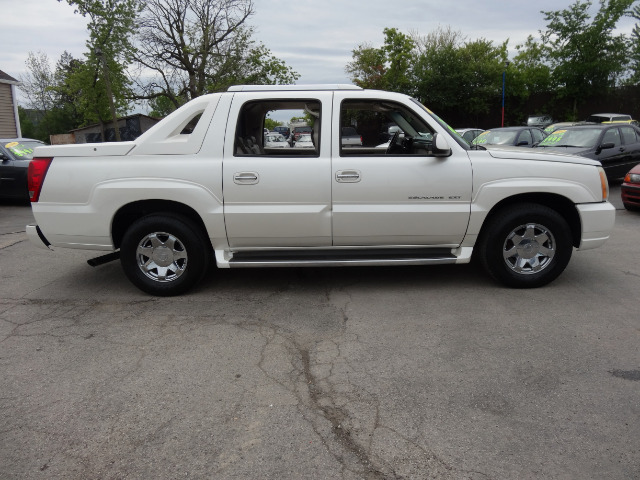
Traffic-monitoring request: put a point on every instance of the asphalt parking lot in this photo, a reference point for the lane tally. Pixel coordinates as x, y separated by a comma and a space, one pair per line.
398, 373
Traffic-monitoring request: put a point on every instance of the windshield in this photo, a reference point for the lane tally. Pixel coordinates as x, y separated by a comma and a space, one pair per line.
496, 137
22, 150
304, 138
579, 137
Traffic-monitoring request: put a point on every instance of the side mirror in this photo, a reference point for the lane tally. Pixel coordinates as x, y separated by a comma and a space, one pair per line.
441, 147
604, 146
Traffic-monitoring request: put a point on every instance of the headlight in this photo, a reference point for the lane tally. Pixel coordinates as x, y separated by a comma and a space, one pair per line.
632, 178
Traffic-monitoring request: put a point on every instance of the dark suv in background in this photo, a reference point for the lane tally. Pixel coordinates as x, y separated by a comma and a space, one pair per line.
284, 131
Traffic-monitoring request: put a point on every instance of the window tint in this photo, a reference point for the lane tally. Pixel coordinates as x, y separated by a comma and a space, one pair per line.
525, 138
300, 117
612, 136
380, 127
629, 135
191, 125
537, 135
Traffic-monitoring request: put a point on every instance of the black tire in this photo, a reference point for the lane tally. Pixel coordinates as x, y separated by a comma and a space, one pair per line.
525, 245
165, 255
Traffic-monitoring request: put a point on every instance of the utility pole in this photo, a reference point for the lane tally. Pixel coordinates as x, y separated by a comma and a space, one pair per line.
504, 77
107, 82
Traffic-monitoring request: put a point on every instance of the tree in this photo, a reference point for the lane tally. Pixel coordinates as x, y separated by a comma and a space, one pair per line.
193, 47
52, 108
386, 68
530, 73
586, 57
368, 69
635, 48
37, 82
457, 77
101, 80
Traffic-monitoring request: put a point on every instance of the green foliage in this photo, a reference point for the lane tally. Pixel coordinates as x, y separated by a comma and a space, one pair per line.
100, 84
368, 69
161, 107
634, 48
529, 74
385, 68
270, 124
585, 55
575, 58
53, 107
247, 63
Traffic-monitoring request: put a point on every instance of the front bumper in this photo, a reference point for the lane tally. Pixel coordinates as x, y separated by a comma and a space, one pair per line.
597, 220
35, 235
630, 194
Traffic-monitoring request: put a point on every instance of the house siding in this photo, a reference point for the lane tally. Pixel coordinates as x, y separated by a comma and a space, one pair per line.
8, 127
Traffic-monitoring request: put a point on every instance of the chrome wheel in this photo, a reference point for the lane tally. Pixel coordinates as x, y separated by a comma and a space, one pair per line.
162, 257
529, 249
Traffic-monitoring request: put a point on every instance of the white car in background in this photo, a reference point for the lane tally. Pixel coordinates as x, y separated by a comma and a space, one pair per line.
275, 140
304, 141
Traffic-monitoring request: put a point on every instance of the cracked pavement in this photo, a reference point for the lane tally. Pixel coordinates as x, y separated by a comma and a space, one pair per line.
354, 373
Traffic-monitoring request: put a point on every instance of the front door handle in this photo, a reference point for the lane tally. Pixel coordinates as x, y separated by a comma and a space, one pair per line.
348, 176
246, 178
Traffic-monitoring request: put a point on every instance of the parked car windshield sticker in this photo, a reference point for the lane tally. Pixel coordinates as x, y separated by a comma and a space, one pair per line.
554, 138
20, 150
482, 138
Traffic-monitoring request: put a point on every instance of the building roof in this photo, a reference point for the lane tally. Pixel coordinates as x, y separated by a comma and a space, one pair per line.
6, 78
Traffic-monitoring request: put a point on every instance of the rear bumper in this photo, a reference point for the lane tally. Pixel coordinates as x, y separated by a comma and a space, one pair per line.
597, 221
35, 235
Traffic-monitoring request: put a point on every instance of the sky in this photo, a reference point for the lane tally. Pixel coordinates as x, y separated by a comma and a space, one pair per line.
314, 37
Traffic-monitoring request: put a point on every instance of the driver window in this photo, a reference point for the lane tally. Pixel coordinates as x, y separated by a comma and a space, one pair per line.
612, 136
525, 138
380, 127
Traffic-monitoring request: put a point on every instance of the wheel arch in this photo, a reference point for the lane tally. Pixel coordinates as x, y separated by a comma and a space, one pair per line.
565, 207
129, 213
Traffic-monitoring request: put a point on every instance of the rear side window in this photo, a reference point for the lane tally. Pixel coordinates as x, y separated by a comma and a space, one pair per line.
302, 117
538, 136
525, 138
629, 135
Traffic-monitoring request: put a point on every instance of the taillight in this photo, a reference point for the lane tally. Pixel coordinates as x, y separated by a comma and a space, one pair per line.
37, 170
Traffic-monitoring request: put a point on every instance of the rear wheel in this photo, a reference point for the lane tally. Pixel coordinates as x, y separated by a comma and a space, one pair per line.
526, 245
164, 255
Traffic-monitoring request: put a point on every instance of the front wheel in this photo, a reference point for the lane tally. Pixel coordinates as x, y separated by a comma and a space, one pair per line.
164, 255
526, 245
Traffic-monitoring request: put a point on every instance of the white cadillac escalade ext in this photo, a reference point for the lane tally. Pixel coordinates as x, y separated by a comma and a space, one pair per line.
200, 185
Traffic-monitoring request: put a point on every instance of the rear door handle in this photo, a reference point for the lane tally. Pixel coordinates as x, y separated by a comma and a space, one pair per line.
348, 176
246, 178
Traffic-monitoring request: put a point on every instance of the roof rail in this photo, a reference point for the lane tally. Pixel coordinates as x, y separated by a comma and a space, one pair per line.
292, 88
